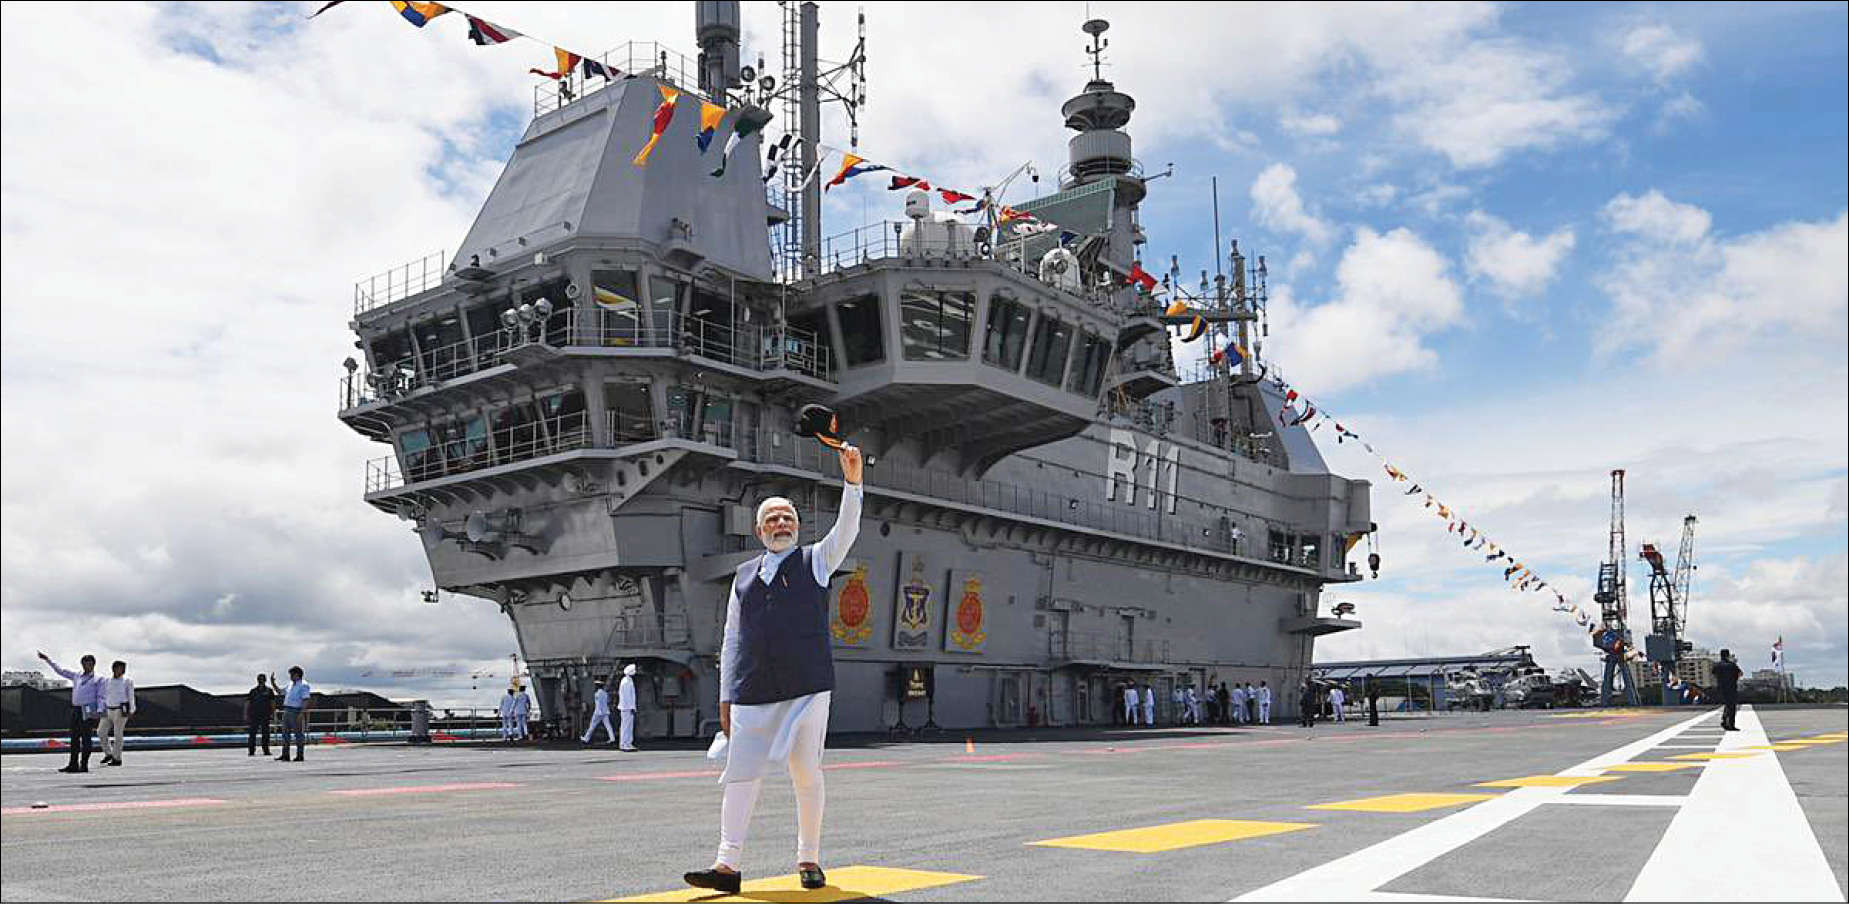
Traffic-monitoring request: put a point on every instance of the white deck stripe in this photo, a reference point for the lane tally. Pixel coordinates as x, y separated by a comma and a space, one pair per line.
1745, 808
1356, 876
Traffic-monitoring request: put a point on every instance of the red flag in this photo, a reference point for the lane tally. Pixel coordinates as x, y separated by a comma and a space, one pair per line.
664, 114
899, 182
1141, 277
952, 196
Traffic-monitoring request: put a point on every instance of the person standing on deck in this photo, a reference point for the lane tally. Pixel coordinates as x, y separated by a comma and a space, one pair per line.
86, 706
600, 715
1239, 704
777, 676
1727, 678
626, 708
259, 705
1264, 703
118, 706
523, 709
1149, 705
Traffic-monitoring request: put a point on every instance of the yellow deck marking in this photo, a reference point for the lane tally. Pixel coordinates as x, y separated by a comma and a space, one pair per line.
1649, 767
1712, 756
1402, 803
1174, 836
1548, 781
845, 884
1812, 741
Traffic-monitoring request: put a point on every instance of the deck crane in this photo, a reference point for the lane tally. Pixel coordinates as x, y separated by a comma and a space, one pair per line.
1613, 638
1669, 608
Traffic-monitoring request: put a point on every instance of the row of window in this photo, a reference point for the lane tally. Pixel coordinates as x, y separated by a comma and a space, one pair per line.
934, 325
497, 436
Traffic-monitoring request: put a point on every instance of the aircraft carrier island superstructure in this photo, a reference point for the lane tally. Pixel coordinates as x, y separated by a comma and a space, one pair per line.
586, 401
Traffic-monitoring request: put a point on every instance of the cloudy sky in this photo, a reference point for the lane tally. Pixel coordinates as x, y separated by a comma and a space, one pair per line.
1513, 246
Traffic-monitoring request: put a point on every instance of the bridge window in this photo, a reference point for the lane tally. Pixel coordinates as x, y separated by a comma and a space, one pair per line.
390, 349
516, 432
421, 461
1006, 333
934, 325
663, 305
563, 415
628, 412
861, 338
615, 297
1088, 374
1046, 356
465, 444
444, 353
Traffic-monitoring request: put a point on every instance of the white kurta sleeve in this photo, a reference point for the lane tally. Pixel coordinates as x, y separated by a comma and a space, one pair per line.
832, 550
728, 648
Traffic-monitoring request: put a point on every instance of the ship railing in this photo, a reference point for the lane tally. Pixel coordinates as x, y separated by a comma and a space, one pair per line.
632, 58
1066, 174
747, 345
625, 428
750, 346
462, 454
896, 238
400, 282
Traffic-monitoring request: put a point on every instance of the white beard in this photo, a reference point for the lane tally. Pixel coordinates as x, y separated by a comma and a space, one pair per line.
780, 544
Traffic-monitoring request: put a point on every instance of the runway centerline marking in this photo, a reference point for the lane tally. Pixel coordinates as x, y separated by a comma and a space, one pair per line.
1356, 876
845, 884
1747, 809
1174, 836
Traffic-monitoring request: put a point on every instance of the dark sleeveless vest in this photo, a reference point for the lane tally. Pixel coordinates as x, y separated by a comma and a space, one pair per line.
783, 649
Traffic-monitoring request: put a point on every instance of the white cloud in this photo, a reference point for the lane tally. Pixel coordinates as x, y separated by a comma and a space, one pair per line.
1661, 51
1515, 263
1276, 204
1310, 124
1691, 297
1682, 106
1379, 194
1393, 289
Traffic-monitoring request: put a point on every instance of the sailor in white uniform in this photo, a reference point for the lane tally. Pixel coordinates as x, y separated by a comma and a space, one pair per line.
523, 708
1239, 704
776, 677
506, 710
1130, 704
1336, 699
626, 707
1264, 703
1149, 706
600, 714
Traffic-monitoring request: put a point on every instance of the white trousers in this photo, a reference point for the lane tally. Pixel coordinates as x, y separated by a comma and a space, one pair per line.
109, 733
602, 718
1339, 716
1149, 714
1239, 713
793, 731
1264, 712
507, 726
627, 718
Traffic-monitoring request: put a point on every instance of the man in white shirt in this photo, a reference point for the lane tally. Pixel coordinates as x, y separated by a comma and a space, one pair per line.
86, 706
1251, 712
523, 708
1130, 704
118, 706
1149, 705
1239, 704
626, 708
600, 715
1264, 703
1336, 698
777, 676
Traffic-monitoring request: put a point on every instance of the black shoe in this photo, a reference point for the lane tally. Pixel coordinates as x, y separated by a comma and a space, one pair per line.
284, 757
812, 877
71, 768
1731, 728
254, 753
715, 880
298, 756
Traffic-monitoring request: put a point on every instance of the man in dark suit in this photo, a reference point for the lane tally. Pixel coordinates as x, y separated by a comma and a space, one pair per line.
259, 704
1727, 679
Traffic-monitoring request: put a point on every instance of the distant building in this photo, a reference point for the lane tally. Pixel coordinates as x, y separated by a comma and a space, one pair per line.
1772, 678
32, 679
1696, 667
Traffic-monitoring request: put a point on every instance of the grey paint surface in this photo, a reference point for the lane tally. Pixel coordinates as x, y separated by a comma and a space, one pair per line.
566, 834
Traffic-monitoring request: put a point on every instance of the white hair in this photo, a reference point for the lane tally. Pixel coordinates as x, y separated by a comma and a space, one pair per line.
771, 503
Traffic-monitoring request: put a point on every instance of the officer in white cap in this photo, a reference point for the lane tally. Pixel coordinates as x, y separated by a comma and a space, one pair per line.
626, 707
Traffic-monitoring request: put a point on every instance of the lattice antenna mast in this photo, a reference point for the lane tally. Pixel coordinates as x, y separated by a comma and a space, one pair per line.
806, 86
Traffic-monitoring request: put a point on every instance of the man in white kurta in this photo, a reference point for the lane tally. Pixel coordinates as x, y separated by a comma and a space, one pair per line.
1239, 704
1264, 703
1149, 706
776, 678
626, 708
1336, 699
1130, 704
